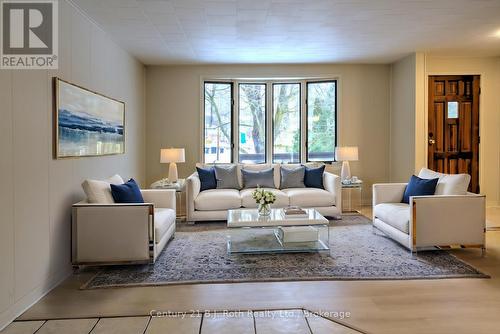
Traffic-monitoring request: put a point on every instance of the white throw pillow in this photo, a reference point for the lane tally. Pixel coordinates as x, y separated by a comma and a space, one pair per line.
448, 184
98, 191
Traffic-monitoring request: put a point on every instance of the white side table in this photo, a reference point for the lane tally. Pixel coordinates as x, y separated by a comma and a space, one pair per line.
179, 188
351, 197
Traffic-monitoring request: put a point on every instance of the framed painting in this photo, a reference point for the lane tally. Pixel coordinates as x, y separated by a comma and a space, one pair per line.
87, 123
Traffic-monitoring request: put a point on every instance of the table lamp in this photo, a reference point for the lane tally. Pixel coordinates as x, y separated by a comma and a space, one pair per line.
346, 154
172, 156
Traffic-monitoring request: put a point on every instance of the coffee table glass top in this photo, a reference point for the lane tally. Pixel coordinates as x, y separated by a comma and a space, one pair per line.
251, 218
250, 233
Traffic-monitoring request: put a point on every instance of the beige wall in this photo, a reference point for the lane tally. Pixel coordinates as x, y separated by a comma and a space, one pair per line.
409, 107
402, 119
37, 192
489, 114
173, 108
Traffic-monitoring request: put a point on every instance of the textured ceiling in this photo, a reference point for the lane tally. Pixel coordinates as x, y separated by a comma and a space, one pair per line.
297, 31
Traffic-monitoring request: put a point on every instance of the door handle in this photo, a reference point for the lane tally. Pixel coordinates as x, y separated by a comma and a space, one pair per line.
431, 141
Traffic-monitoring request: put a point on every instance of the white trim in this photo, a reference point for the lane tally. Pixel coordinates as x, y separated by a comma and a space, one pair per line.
25, 302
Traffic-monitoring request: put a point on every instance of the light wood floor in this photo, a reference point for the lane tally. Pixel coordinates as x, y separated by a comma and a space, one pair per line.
242, 322
411, 306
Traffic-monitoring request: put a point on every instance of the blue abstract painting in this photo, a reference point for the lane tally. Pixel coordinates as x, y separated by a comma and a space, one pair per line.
88, 124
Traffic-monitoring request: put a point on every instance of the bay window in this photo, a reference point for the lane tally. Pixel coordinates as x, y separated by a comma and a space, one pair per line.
273, 121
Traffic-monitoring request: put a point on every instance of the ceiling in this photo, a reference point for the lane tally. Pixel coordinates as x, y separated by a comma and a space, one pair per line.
297, 31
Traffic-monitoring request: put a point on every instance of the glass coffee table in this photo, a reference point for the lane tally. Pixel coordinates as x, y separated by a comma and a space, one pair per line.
247, 232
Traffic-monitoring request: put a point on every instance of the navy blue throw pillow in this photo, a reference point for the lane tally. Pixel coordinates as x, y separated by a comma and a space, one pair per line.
207, 178
313, 177
128, 192
419, 187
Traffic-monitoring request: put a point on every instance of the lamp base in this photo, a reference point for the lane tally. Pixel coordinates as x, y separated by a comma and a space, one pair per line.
345, 174
172, 172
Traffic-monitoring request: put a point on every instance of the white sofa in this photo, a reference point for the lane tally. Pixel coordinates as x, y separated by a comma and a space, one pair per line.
212, 204
112, 233
450, 217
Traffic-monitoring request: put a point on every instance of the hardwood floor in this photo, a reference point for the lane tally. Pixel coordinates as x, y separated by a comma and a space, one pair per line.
405, 306
247, 322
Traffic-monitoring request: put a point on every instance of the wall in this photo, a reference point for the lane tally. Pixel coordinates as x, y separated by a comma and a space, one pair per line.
173, 107
37, 191
408, 139
402, 119
489, 114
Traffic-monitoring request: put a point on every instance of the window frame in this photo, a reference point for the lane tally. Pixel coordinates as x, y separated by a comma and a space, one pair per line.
273, 83
266, 115
269, 109
203, 127
307, 82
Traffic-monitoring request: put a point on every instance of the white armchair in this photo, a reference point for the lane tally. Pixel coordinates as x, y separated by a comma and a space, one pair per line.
123, 233
429, 221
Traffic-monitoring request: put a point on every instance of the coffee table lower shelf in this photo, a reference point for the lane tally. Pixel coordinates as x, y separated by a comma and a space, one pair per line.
260, 240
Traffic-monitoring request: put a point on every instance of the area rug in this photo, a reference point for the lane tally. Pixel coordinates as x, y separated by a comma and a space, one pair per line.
198, 254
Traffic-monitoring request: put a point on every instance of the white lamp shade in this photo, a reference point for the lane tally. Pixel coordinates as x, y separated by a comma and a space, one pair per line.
172, 155
346, 153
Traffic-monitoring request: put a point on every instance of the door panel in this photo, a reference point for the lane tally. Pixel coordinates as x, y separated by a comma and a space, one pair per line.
454, 126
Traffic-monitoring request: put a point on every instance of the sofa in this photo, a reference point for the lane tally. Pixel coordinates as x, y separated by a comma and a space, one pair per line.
212, 204
452, 216
108, 233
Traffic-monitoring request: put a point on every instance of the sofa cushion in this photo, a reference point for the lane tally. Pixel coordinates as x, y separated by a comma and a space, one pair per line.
207, 178
217, 199
248, 202
227, 177
396, 215
255, 167
419, 187
310, 197
128, 192
313, 177
259, 178
98, 191
292, 177
164, 219
448, 184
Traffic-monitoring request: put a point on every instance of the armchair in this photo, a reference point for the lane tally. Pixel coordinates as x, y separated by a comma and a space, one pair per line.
113, 233
429, 221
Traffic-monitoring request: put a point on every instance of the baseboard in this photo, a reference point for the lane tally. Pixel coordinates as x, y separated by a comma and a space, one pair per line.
20, 306
490, 204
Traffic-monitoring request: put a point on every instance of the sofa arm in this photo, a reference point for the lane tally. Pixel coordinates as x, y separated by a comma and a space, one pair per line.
161, 198
387, 192
193, 186
332, 184
448, 220
112, 233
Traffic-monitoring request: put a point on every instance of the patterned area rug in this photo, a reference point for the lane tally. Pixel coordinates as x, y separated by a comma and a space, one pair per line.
198, 255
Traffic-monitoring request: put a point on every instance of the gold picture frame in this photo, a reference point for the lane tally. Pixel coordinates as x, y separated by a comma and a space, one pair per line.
86, 123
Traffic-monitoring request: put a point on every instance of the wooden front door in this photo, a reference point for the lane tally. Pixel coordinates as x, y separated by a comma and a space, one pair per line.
453, 136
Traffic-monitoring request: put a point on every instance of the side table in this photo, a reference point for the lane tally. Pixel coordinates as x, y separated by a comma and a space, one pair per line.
351, 197
180, 197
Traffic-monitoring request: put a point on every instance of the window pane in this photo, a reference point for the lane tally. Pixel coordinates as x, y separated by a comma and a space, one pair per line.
453, 109
321, 121
252, 123
286, 123
217, 122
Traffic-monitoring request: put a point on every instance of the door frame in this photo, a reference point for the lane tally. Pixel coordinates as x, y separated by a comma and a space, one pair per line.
426, 117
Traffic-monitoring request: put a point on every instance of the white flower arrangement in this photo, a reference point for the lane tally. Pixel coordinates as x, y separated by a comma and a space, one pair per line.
262, 196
